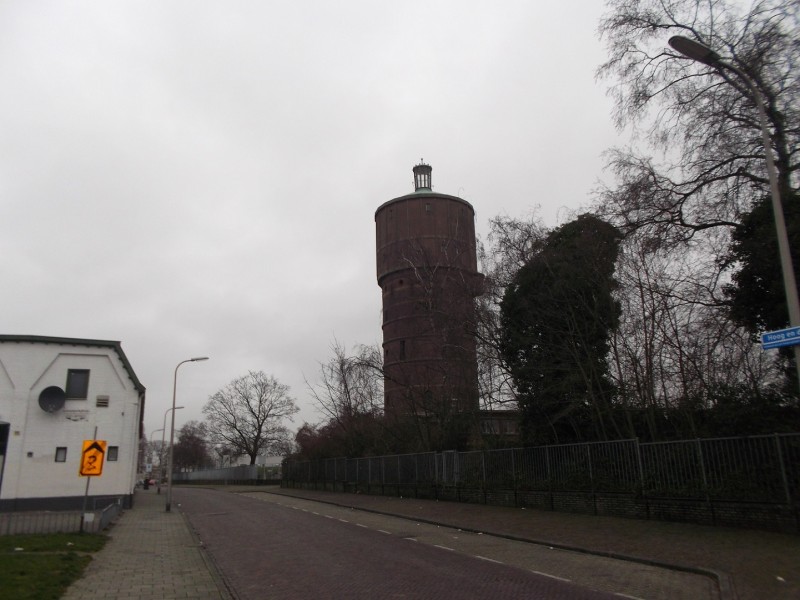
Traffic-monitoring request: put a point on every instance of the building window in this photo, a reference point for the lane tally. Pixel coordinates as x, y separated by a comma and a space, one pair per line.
113, 453
61, 454
78, 383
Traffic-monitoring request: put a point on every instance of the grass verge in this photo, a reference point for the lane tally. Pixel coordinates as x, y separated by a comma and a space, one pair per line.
42, 567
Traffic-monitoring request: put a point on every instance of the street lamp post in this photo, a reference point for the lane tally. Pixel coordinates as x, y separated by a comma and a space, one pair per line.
161, 450
172, 428
702, 53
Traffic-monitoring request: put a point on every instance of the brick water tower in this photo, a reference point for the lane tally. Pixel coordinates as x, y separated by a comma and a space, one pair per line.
427, 271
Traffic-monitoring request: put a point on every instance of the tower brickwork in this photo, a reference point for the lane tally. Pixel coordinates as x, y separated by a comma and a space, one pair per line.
427, 271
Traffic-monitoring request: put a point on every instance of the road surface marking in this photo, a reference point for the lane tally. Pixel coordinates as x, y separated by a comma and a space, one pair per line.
551, 576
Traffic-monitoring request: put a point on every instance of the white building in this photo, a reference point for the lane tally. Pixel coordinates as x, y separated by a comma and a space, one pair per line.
54, 394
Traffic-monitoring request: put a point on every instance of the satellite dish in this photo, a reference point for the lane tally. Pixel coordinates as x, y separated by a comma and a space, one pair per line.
52, 399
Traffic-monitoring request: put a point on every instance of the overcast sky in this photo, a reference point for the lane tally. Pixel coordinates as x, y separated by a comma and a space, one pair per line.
200, 178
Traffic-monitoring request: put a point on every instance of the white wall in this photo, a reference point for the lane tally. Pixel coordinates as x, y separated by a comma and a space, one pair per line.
30, 468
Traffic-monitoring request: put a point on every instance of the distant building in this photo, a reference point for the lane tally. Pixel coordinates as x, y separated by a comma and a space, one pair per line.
427, 271
54, 394
262, 460
499, 428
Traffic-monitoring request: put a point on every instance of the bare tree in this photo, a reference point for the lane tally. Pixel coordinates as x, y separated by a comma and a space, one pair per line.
704, 122
248, 415
688, 186
349, 393
675, 348
191, 452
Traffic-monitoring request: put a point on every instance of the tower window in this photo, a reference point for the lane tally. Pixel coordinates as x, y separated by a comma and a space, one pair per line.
77, 384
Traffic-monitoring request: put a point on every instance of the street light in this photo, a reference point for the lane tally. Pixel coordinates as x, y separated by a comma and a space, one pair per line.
172, 428
702, 53
161, 450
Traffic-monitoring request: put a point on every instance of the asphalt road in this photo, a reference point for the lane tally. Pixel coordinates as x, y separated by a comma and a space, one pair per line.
265, 549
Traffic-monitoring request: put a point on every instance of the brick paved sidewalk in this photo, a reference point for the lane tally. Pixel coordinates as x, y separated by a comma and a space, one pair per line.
750, 565
151, 555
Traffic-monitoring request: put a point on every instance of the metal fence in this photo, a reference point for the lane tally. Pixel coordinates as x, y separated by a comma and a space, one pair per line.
67, 521
762, 469
243, 473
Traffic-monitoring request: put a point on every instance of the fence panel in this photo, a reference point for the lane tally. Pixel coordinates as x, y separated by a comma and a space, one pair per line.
500, 469
533, 466
471, 469
570, 468
789, 455
615, 466
746, 469
762, 469
672, 469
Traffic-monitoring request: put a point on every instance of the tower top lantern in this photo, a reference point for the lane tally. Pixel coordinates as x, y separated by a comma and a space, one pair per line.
422, 177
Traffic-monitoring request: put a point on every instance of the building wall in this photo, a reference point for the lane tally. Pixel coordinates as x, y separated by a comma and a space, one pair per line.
30, 471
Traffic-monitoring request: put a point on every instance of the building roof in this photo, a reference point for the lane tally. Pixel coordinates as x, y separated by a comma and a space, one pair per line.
43, 339
423, 193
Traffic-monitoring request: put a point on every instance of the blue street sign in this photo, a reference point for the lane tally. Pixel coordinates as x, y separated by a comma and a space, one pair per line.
780, 338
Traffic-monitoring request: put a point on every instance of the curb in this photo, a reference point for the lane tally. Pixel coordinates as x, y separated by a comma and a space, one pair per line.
226, 591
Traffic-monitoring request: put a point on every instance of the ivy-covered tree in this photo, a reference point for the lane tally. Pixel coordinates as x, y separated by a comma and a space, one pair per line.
756, 294
556, 319
758, 301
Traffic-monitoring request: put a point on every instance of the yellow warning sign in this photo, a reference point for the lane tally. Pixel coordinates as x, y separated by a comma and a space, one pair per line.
94, 451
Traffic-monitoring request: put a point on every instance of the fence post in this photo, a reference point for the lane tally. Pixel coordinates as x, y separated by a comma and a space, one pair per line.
783, 470
641, 468
591, 478
705, 479
485, 484
641, 478
549, 476
399, 478
513, 474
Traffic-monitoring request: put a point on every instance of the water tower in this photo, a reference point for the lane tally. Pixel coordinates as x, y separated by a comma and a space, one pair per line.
427, 271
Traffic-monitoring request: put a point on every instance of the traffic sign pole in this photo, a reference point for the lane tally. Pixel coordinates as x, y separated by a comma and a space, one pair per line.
94, 452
